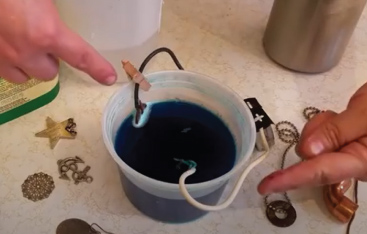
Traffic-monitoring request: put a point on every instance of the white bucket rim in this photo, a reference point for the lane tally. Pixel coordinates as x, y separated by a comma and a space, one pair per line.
171, 186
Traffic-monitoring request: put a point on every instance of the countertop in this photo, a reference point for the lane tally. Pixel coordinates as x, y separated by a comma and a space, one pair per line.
222, 41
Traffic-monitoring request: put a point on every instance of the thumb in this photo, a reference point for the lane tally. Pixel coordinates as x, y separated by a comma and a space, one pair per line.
71, 48
335, 133
310, 127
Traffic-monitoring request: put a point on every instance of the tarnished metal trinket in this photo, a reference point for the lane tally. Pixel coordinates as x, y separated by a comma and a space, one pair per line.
67, 164
81, 176
71, 164
78, 226
281, 208
38, 187
70, 127
56, 131
71, 226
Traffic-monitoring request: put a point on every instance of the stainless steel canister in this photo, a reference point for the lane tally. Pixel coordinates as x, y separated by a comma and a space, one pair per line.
310, 35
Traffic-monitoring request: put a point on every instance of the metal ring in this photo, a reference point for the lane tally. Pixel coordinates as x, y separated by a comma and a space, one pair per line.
284, 206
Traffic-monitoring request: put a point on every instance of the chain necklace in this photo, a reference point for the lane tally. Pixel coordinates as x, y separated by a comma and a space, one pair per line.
287, 133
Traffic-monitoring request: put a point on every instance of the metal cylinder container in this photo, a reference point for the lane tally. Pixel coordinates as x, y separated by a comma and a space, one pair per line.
310, 35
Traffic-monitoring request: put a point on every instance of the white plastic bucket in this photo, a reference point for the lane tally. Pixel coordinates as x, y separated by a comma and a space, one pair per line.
164, 201
115, 28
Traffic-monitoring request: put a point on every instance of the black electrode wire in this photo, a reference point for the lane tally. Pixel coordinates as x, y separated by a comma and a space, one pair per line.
157, 51
144, 64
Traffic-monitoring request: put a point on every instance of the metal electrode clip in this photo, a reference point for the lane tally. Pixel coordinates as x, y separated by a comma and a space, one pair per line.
262, 120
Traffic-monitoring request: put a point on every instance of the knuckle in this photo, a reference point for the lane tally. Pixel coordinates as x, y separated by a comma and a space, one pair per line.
363, 142
83, 60
363, 114
50, 74
10, 55
9, 75
48, 71
357, 150
333, 135
44, 37
322, 178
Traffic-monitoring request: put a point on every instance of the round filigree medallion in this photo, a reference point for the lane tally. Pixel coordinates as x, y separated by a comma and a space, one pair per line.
38, 186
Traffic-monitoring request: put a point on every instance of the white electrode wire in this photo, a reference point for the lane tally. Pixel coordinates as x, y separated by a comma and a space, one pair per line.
236, 189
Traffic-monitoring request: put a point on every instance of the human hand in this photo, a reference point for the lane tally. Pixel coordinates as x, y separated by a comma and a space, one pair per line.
33, 38
334, 147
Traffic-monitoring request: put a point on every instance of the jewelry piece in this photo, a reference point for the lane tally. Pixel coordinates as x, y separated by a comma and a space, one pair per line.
66, 164
56, 131
281, 208
70, 127
287, 133
38, 186
71, 164
78, 226
81, 176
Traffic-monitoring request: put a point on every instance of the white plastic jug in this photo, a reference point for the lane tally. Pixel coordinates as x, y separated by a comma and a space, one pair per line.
118, 29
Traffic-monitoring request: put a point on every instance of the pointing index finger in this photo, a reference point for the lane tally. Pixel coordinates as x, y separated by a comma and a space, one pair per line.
326, 169
72, 49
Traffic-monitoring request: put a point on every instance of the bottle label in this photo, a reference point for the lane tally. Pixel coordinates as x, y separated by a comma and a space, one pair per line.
19, 99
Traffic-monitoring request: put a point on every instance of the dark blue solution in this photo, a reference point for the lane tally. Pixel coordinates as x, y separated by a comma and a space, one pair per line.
175, 130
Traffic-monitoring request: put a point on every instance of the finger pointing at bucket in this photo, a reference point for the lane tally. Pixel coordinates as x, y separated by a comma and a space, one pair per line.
326, 169
71, 48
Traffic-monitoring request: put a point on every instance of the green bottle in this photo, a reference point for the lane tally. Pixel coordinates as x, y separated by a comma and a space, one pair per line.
17, 100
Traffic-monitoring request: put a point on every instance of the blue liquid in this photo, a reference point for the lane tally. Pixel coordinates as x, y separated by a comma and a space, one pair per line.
175, 130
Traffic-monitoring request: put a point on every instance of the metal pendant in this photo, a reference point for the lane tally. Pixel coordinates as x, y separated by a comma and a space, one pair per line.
281, 208
56, 131
78, 226
71, 164
38, 186
74, 226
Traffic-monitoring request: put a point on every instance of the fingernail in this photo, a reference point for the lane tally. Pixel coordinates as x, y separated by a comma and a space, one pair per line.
111, 80
316, 147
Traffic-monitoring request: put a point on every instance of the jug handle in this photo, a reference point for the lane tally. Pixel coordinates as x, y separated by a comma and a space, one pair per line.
236, 188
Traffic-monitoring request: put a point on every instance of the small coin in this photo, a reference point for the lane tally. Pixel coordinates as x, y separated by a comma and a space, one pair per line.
73, 226
282, 208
